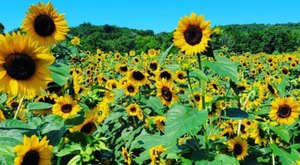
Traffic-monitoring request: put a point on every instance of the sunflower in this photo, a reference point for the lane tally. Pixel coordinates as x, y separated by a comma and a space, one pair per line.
88, 126
192, 34
130, 89
33, 151
181, 76
284, 110
75, 41
122, 68
166, 92
138, 77
23, 65
44, 24
65, 107
239, 147
133, 109
2, 117
102, 110
155, 153
126, 156
159, 122
165, 74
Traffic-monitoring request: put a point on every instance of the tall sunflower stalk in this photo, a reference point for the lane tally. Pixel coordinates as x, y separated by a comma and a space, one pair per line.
192, 36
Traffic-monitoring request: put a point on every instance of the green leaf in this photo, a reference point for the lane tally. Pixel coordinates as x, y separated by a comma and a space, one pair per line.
71, 149
235, 113
154, 103
198, 74
8, 140
282, 132
181, 120
54, 128
222, 159
60, 73
172, 66
16, 124
3, 98
38, 106
223, 66
74, 160
285, 157
164, 55
74, 120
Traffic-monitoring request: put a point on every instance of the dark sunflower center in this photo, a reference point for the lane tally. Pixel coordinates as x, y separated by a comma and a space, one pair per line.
153, 66
87, 128
124, 68
133, 109
47, 99
284, 111
19, 66
137, 75
130, 88
215, 86
14, 105
241, 88
243, 129
285, 71
44, 25
166, 93
238, 149
31, 157
166, 75
66, 108
271, 89
193, 35
197, 97
180, 76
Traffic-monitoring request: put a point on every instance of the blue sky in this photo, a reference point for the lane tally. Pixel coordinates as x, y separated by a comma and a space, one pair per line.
158, 15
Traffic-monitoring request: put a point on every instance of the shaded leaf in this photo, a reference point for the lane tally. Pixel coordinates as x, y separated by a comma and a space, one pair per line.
282, 132
235, 113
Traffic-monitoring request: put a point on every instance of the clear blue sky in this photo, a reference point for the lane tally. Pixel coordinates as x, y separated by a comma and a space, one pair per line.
158, 15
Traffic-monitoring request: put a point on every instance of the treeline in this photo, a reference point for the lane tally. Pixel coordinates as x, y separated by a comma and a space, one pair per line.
259, 38
237, 38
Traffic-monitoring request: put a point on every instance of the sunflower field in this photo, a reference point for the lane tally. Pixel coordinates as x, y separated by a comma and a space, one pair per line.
188, 104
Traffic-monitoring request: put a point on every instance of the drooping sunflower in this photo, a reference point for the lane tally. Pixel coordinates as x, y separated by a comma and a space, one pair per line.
44, 24
2, 117
192, 34
239, 147
284, 110
88, 126
65, 107
126, 155
155, 153
166, 92
23, 65
33, 151
102, 110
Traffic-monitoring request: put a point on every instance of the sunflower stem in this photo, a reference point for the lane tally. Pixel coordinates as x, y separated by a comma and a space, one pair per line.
271, 142
19, 107
203, 93
191, 88
201, 84
239, 127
